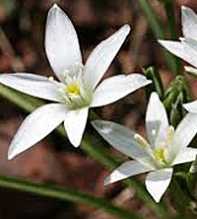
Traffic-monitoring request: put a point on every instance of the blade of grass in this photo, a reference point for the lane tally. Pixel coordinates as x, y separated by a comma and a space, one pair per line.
170, 13
158, 31
66, 194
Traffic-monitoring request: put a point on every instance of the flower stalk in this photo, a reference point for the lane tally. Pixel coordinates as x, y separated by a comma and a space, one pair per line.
158, 31
152, 74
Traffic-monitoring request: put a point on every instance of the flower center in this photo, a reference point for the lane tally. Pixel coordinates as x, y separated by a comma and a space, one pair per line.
160, 154
73, 89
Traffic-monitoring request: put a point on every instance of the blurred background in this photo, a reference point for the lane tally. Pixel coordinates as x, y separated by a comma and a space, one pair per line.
22, 26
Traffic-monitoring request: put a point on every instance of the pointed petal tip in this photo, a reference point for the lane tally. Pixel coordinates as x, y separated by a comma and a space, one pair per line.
76, 145
10, 157
183, 7
11, 154
154, 95
106, 181
162, 42
189, 107
127, 28
185, 105
55, 6
102, 126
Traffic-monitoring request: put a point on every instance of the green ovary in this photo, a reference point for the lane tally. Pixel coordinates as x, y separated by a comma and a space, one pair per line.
160, 155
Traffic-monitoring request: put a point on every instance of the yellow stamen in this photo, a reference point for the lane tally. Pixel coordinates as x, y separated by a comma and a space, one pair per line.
170, 135
141, 141
73, 89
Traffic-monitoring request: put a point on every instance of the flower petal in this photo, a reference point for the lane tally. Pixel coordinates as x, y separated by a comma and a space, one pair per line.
75, 124
158, 181
31, 84
185, 131
61, 42
190, 48
181, 49
185, 155
156, 120
102, 56
37, 126
122, 139
191, 107
117, 87
127, 169
191, 70
189, 23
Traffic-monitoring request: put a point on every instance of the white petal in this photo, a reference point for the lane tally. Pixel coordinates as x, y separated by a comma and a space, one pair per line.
189, 23
122, 139
31, 84
117, 87
157, 182
191, 107
102, 56
75, 124
185, 131
127, 169
156, 120
181, 49
186, 155
191, 70
190, 48
61, 42
37, 126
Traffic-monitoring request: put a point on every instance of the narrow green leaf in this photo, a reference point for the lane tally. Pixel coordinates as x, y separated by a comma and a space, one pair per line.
158, 31
66, 194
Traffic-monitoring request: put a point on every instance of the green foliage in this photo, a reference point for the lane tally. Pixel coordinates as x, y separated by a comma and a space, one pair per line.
156, 85
158, 30
66, 194
174, 97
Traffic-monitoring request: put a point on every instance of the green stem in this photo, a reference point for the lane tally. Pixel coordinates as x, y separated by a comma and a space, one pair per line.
66, 194
94, 150
156, 27
169, 8
23, 101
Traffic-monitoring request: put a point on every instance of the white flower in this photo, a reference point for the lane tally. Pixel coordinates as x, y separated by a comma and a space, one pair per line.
77, 89
165, 147
186, 48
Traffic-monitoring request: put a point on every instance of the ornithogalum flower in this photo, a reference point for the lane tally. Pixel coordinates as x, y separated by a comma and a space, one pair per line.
77, 89
164, 148
186, 48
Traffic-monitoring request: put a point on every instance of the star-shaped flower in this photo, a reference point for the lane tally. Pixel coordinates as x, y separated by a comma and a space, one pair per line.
186, 48
165, 147
77, 89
